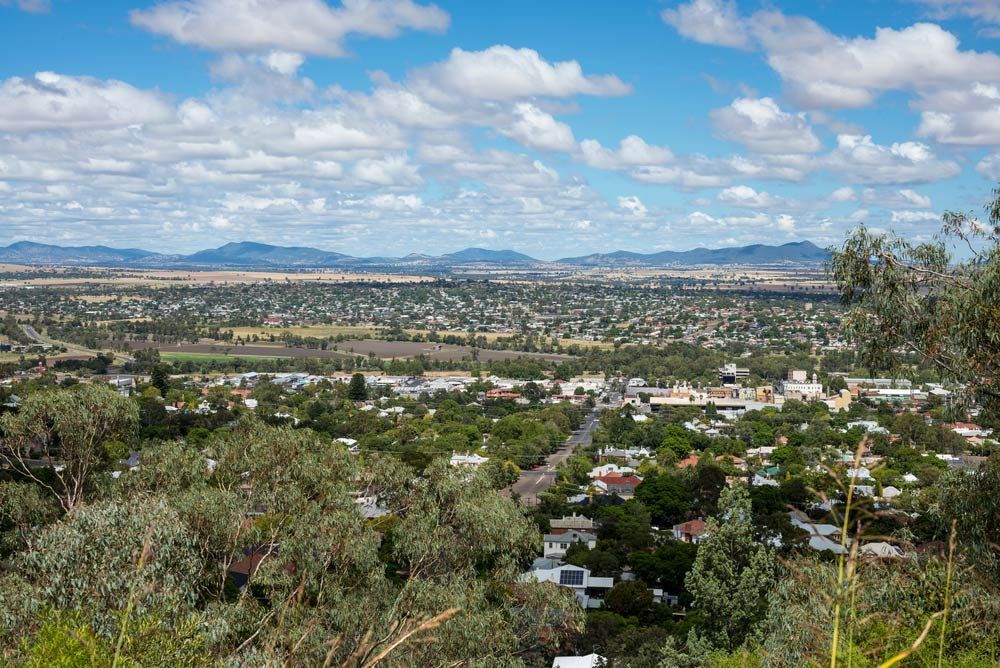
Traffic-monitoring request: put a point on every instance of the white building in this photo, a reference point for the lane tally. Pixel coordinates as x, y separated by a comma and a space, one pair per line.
868, 426
470, 460
587, 661
801, 389
578, 579
556, 545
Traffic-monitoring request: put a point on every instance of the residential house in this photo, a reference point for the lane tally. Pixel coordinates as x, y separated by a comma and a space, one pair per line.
573, 522
469, 460
610, 469
586, 661
882, 550
821, 536
589, 590
622, 485
556, 545
692, 531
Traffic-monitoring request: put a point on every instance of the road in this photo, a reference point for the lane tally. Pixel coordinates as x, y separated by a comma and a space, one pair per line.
533, 482
33, 334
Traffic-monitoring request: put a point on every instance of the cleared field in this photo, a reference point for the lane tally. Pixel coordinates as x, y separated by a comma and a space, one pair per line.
408, 349
170, 277
346, 349
209, 357
326, 331
222, 351
316, 331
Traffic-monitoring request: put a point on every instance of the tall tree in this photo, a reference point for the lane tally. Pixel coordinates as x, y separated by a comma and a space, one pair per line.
358, 389
732, 574
919, 298
64, 432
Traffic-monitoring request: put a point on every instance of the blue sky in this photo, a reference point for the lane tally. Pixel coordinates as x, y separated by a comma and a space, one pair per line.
558, 128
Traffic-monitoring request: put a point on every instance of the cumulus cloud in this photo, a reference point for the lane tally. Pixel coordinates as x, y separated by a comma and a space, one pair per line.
761, 126
50, 101
502, 72
914, 198
709, 22
844, 194
632, 150
913, 216
633, 205
307, 26
967, 115
860, 160
537, 129
824, 70
745, 196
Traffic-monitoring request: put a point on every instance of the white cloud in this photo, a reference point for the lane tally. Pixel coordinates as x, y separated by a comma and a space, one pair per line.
308, 26
844, 194
914, 198
709, 22
785, 223
396, 202
990, 167
745, 196
824, 70
913, 216
632, 150
537, 129
49, 101
502, 72
860, 160
633, 205
967, 116
984, 10
762, 127
393, 170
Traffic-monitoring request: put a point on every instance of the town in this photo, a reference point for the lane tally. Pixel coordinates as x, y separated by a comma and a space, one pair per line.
622, 418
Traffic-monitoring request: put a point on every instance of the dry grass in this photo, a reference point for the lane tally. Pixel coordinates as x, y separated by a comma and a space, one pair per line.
169, 277
315, 331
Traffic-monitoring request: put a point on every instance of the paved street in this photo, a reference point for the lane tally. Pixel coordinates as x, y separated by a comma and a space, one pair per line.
532, 482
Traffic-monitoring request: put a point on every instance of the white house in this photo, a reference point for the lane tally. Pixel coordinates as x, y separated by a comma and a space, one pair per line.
882, 550
869, 426
610, 469
471, 460
860, 473
576, 578
587, 661
555, 545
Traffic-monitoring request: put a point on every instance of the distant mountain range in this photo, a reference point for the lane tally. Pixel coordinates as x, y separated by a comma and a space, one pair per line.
800, 252
248, 254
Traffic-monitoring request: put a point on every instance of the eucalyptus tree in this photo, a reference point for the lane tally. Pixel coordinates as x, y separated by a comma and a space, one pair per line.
58, 438
920, 298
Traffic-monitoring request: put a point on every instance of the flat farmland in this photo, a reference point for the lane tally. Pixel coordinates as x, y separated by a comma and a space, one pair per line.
326, 331
442, 351
345, 349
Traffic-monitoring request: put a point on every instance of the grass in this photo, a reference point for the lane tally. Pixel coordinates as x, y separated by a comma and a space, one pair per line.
317, 331
846, 588
325, 331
